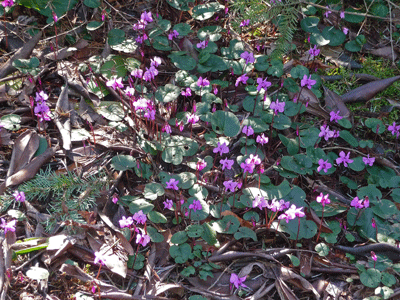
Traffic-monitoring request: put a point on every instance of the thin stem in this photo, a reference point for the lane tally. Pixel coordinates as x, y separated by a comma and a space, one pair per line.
320, 224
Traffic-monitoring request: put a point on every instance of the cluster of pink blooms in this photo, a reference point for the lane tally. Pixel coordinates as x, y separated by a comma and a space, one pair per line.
326, 133
360, 203
42, 110
142, 238
7, 3
8, 226
145, 19
19, 196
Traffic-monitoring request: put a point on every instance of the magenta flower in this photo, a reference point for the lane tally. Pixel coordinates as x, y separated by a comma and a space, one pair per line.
307, 81
344, 158
236, 281
359, 203
196, 205
130, 91
155, 61
241, 79
114, 199
327, 13
230, 185
192, 118
7, 3
42, 112
345, 30
10, 226
277, 106
323, 199
278, 205
203, 82
146, 17
314, 51
263, 84
140, 217
244, 23
325, 132
138, 73
335, 116
221, 148
342, 14
247, 130
395, 130
19, 196
187, 92
168, 204
41, 96
173, 35
139, 25
125, 222
150, 73
324, 165
373, 256
247, 167
253, 159
248, 57
55, 18
260, 202
172, 184
115, 83
296, 212
369, 160
201, 164
202, 45
166, 128
142, 238
226, 163
262, 139
99, 258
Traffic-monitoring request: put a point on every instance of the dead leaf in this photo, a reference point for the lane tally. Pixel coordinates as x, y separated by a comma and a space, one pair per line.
243, 222
62, 119
385, 52
5, 138
334, 103
312, 103
305, 263
25, 146
369, 90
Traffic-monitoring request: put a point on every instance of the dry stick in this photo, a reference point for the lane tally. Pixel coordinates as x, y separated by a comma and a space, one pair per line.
391, 31
365, 20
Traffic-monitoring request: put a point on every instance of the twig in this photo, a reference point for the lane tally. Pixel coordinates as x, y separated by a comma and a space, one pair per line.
391, 31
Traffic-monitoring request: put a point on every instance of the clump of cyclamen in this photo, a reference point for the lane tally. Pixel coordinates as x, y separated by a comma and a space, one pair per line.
42, 110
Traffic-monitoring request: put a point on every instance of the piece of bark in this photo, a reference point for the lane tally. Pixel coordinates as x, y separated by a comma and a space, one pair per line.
22, 53
369, 90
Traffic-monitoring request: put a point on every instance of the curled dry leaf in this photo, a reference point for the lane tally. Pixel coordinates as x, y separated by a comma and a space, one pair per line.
333, 102
309, 99
369, 90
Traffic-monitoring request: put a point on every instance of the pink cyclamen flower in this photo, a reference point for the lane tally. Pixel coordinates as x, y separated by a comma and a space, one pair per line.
359, 203
10, 226
203, 82
323, 199
55, 18
276, 205
373, 223
345, 30
262, 139
248, 130
125, 222
139, 217
196, 205
201, 164
395, 130
324, 165
296, 212
94, 288
114, 199
166, 128
187, 92
155, 61
260, 202
244, 23
146, 17
172, 184
130, 91
221, 148
7, 3
150, 73
42, 111
236, 281
115, 83
344, 158
138, 73
247, 167
263, 84
168, 204
142, 238
226, 163
327, 13
253, 159
342, 15
242, 79
192, 118
314, 51
277, 106
373, 256
369, 160
307, 81
326, 133
99, 258
248, 57
19, 196
41, 96
202, 45
335, 116
173, 35
230, 185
